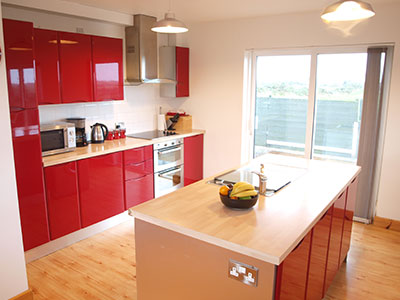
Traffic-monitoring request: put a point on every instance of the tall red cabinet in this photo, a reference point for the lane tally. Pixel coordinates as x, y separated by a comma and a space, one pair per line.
18, 39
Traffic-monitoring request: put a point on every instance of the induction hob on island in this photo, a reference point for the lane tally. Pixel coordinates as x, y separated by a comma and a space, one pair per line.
150, 135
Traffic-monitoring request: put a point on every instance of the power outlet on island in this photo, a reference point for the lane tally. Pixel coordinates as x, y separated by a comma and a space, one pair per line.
243, 272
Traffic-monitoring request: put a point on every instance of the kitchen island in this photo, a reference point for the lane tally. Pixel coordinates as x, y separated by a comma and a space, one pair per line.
190, 246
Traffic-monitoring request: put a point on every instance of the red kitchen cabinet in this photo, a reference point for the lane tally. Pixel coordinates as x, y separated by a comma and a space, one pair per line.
101, 192
75, 67
139, 178
62, 199
335, 239
47, 66
318, 254
193, 159
18, 41
29, 177
138, 155
348, 218
292, 273
107, 68
139, 190
182, 72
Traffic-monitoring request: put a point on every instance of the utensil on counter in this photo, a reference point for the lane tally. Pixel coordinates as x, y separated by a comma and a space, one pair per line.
99, 133
172, 121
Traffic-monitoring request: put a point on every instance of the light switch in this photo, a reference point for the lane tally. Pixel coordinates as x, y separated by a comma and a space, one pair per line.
243, 272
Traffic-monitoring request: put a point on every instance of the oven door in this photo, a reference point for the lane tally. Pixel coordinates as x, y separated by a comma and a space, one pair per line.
168, 181
168, 158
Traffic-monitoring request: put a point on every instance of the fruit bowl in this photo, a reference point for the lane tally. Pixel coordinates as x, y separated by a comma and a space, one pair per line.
239, 203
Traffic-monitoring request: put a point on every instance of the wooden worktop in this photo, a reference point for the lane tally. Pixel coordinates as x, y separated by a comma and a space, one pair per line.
272, 228
108, 147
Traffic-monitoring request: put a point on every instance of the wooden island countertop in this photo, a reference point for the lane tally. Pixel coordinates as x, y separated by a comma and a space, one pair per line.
272, 228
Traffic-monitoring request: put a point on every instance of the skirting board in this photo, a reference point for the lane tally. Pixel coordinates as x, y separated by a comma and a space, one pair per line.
27, 295
361, 220
74, 237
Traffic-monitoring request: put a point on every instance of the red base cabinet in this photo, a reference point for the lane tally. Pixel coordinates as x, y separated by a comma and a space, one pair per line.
139, 178
292, 272
62, 199
193, 159
335, 239
101, 191
318, 254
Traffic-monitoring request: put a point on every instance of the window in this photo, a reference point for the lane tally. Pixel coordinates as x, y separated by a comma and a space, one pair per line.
308, 103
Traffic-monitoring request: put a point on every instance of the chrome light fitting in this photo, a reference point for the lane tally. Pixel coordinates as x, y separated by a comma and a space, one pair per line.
169, 25
347, 10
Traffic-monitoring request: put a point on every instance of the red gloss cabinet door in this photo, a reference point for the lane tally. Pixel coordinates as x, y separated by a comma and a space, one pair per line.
62, 199
47, 66
193, 159
335, 240
107, 68
292, 272
348, 218
139, 190
75, 67
18, 40
138, 155
101, 187
319, 251
182, 72
29, 177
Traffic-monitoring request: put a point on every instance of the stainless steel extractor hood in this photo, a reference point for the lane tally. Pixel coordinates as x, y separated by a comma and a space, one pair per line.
141, 52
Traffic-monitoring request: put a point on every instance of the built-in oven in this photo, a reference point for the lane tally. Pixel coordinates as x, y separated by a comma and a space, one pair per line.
168, 166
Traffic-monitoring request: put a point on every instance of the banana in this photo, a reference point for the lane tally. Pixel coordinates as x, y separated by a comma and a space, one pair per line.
248, 193
241, 187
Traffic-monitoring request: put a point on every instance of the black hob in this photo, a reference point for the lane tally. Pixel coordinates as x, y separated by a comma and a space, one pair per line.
150, 135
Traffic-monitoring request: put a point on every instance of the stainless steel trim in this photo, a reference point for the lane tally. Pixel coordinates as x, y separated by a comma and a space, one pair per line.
55, 126
170, 150
162, 174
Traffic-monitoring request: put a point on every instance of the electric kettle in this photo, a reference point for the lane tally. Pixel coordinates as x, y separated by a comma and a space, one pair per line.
99, 133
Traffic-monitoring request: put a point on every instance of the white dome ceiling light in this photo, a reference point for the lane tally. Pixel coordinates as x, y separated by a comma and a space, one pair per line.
169, 25
348, 10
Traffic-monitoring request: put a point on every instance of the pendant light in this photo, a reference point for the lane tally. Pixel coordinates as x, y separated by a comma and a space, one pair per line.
169, 24
347, 10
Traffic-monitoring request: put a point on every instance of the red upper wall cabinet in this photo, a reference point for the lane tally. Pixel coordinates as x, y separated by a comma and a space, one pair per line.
18, 40
75, 67
182, 72
174, 65
107, 68
47, 67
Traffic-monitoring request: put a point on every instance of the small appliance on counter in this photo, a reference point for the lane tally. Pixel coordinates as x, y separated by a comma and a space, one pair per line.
80, 126
57, 138
99, 133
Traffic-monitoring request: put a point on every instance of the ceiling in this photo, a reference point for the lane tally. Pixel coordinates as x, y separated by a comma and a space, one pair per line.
191, 11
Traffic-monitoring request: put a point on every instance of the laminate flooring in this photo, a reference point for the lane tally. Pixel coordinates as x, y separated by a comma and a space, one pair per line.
103, 267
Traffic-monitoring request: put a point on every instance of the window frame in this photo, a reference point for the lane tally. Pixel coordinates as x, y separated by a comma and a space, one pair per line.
249, 91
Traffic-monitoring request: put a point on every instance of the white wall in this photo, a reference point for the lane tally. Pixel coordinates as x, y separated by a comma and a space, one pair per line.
12, 262
217, 53
140, 107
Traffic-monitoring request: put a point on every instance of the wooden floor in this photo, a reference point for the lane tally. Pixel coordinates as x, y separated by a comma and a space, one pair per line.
103, 267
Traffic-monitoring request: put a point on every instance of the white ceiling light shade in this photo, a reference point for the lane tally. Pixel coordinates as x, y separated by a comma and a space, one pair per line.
169, 25
348, 10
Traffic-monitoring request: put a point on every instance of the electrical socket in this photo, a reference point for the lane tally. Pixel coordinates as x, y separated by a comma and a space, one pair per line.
243, 272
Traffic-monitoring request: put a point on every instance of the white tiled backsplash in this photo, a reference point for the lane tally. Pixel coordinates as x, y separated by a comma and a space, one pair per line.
138, 111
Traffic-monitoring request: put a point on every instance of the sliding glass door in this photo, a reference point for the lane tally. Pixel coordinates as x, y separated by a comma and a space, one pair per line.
309, 104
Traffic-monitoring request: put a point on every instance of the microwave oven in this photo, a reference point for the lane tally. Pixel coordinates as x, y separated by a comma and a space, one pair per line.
57, 138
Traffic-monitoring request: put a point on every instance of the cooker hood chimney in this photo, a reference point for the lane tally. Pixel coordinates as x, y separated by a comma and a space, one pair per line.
141, 52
